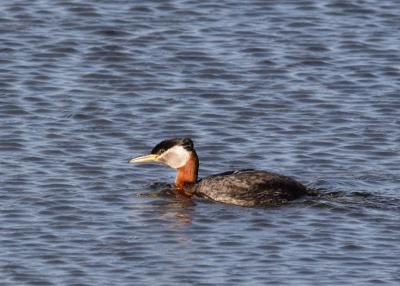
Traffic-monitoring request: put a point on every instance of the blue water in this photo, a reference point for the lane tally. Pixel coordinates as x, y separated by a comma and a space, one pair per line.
309, 89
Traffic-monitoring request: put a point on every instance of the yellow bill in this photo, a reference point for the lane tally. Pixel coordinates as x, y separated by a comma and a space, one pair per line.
146, 158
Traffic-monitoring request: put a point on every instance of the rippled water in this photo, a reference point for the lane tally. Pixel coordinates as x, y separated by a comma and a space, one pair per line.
307, 88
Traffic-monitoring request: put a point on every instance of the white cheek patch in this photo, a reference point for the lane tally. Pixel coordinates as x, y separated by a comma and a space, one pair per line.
175, 157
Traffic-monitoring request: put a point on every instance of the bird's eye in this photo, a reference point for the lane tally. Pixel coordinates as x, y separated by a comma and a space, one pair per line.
161, 151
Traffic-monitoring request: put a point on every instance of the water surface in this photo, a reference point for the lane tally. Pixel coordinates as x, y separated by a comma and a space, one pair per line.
309, 89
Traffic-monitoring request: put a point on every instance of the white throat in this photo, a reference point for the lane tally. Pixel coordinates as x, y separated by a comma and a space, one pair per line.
175, 157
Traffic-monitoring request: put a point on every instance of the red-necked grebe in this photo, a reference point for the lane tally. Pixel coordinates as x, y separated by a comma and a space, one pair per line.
242, 187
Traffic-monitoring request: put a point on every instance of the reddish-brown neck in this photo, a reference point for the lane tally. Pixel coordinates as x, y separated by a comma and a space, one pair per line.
188, 173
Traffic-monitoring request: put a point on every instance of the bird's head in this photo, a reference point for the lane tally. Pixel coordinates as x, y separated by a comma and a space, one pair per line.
173, 152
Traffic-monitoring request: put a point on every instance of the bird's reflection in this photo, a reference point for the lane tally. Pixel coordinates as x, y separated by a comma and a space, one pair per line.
168, 204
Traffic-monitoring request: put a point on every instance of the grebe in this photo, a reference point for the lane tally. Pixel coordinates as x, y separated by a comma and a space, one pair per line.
242, 187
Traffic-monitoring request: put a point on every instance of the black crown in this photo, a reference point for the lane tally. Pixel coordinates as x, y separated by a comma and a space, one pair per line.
163, 146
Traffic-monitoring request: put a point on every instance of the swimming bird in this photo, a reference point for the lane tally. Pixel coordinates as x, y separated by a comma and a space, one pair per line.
242, 187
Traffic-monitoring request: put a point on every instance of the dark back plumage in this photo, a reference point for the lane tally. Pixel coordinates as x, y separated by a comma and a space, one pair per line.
249, 188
